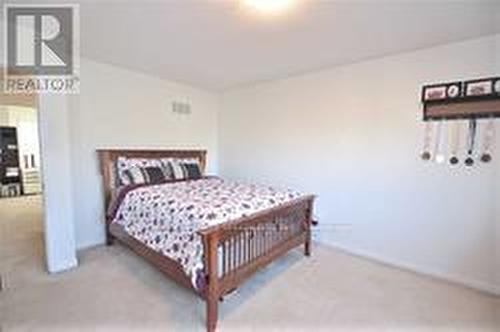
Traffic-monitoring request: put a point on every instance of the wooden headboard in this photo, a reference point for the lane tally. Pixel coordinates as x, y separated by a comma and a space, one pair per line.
108, 158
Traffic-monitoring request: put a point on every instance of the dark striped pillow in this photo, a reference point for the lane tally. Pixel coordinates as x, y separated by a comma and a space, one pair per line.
154, 174
134, 166
191, 170
144, 175
180, 169
174, 169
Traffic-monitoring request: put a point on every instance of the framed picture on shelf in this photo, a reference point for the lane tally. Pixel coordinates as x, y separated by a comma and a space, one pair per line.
496, 86
454, 90
442, 91
480, 88
434, 93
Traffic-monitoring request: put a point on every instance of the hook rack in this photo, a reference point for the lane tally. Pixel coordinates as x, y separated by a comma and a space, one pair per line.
474, 99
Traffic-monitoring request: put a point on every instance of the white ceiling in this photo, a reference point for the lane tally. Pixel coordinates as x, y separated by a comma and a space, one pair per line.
220, 44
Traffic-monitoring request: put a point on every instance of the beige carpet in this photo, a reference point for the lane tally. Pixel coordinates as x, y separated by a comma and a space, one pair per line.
113, 290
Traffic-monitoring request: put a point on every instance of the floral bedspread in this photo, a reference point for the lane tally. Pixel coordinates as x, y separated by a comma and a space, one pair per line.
166, 217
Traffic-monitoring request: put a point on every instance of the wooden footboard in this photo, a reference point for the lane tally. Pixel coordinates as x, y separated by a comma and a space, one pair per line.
236, 250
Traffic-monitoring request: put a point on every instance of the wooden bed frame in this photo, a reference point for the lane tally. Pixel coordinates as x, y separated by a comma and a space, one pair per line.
233, 251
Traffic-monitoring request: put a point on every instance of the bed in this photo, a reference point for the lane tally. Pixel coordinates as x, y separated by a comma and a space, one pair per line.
205, 233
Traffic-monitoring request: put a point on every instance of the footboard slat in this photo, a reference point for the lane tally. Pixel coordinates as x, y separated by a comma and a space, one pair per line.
234, 279
243, 244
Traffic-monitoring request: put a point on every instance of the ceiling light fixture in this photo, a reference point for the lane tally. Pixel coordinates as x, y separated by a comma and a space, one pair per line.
270, 6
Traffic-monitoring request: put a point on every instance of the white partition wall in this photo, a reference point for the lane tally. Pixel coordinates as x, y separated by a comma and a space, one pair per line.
56, 169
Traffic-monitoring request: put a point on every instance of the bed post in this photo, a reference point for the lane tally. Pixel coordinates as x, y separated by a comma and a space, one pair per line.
307, 243
210, 242
110, 239
104, 163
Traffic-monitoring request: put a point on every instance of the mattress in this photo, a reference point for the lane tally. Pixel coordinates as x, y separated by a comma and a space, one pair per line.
166, 217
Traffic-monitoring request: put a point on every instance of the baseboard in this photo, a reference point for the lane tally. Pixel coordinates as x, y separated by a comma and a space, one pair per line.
459, 280
473, 284
89, 244
63, 266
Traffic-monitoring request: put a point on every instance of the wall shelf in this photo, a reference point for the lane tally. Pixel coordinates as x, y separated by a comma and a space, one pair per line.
462, 108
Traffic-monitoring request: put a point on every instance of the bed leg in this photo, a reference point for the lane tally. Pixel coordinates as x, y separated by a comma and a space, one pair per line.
307, 246
210, 243
307, 243
212, 313
110, 239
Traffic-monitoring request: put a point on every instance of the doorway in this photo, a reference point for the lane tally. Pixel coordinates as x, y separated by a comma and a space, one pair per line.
21, 204
51, 242
19, 152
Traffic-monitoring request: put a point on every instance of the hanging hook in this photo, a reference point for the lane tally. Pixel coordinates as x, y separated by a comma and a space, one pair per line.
488, 140
469, 161
455, 143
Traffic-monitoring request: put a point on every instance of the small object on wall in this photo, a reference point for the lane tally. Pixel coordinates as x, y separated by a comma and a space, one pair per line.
442, 91
496, 87
489, 137
454, 143
453, 91
426, 155
486, 158
454, 160
438, 153
435, 93
479, 88
469, 161
181, 108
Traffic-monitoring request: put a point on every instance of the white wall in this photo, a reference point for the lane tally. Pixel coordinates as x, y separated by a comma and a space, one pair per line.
121, 108
353, 135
